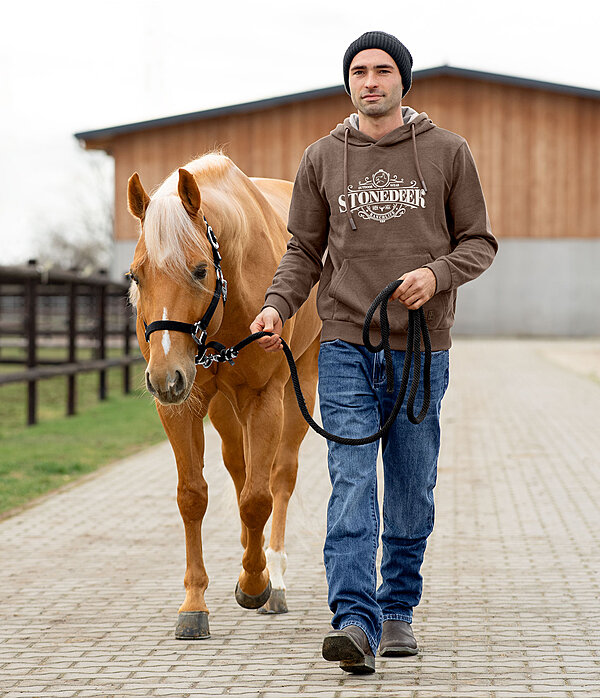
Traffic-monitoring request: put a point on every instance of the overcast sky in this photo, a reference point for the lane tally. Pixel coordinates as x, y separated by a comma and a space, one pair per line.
69, 66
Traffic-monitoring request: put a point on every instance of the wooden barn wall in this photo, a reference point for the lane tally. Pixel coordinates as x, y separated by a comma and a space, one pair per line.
537, 152
269, 143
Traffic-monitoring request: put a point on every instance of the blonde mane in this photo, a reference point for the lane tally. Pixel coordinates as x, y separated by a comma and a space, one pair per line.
169, 232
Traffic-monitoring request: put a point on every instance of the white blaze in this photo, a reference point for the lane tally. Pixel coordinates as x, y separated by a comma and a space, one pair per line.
277, 564
166, 339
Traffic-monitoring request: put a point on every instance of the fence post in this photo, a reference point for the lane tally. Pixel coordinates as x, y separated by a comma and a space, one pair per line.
72, 378
126, 348
30, 293
102, 339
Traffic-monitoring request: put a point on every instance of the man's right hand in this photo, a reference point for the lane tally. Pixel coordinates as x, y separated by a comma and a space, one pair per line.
268, 320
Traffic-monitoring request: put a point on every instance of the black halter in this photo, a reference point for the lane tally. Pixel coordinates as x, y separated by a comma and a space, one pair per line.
198, 330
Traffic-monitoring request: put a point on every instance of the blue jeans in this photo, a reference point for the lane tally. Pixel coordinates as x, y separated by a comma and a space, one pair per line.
354, 403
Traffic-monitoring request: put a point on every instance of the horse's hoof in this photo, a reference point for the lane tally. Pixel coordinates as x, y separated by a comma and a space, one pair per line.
252, 601
192, 625
276, 603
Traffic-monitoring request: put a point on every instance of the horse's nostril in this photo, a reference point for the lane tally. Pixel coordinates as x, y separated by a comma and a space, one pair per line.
179, 382
149, 386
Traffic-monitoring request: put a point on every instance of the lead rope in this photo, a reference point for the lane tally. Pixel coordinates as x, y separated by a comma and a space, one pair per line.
417, 327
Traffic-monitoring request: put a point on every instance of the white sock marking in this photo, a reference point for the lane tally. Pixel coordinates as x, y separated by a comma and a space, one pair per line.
166, 339
277, 564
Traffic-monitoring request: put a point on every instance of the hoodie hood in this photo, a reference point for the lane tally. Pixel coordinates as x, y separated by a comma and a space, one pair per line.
419, 121
414, 123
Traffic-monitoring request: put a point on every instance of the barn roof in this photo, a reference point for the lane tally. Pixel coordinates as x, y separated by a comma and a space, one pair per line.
445, 70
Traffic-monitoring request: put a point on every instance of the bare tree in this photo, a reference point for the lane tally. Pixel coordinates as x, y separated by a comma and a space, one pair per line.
85, 239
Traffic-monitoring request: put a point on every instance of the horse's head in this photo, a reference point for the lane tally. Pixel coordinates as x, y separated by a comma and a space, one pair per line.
173, 278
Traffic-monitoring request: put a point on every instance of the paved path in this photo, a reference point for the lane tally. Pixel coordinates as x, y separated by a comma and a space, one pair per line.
91, 578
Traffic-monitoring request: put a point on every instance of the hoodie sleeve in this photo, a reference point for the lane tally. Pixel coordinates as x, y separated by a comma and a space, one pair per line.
301, 265
474, 245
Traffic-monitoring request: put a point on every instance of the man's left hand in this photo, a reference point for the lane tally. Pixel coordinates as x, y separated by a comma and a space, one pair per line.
417, 287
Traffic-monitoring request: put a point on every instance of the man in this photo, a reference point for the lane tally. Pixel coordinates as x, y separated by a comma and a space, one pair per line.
388, 195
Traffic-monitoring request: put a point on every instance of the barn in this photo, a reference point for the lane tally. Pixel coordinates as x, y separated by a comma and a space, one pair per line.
537, 148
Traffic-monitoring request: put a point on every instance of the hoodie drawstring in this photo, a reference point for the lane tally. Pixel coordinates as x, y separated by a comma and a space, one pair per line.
348, 212
414, 142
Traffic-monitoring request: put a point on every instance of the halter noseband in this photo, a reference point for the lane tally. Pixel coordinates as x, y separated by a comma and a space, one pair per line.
198, 330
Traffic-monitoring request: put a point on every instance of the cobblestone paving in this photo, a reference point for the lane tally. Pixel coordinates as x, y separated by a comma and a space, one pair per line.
91, 578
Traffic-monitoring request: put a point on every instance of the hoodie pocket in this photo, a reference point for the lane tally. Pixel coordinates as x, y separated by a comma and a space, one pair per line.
439, 310
361, 279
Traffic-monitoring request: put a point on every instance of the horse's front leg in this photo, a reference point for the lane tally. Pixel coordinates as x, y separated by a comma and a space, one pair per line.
262, 424
186, 434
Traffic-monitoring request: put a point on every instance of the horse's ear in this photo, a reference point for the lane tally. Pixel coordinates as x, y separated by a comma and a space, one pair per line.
137, 199
189, 192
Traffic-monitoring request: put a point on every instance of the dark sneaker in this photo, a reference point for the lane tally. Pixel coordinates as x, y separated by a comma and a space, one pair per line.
351, 648
397, 639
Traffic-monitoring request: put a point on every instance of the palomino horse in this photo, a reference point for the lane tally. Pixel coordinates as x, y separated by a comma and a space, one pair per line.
251, 403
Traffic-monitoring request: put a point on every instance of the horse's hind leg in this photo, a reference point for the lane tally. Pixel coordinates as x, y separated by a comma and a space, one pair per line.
223, 417
186, 435
285, 469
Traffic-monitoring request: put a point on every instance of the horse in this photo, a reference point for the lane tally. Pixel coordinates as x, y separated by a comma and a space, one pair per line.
175, 276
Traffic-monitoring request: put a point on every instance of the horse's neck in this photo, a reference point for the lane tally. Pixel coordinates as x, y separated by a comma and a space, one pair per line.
249, 261
250, 235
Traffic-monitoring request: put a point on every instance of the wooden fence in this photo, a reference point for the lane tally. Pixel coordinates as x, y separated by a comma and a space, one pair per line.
66, 310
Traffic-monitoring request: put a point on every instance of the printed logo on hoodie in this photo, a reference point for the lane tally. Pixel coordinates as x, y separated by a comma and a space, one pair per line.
382, 196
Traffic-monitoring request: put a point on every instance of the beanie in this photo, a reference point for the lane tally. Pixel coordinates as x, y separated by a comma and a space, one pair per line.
387, 43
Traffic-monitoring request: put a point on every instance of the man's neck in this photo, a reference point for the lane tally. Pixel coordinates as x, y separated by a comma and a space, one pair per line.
378, 127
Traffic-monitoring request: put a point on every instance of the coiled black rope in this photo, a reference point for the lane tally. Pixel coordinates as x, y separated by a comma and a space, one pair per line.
417, 327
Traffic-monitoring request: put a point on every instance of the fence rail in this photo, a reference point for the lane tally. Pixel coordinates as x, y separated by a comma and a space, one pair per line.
75, 307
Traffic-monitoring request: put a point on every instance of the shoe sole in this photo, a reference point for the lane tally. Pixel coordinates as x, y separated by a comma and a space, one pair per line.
398, 651
339, 647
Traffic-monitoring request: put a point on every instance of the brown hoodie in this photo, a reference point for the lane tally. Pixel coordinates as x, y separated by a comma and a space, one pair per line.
381, 209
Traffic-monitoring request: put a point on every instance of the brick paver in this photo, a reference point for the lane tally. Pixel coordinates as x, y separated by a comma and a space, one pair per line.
91, 578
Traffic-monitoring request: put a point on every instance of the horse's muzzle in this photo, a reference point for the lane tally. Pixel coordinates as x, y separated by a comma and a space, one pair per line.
172, 390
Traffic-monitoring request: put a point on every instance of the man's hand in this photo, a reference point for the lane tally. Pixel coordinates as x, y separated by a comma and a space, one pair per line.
268, 320
417, 287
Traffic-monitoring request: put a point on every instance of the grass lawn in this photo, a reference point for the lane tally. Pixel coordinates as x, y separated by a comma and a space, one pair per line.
52, 393
37, 459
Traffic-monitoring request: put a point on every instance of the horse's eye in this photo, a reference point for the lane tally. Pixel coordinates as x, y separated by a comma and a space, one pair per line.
131, 277
199, 272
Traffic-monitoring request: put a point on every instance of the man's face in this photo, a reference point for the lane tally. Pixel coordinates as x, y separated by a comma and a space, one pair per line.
375, 83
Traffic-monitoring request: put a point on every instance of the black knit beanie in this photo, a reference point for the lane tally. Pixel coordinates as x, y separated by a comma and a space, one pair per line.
387, 43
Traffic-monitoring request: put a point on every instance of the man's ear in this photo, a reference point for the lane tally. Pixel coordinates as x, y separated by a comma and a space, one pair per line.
189, 192
137, 199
